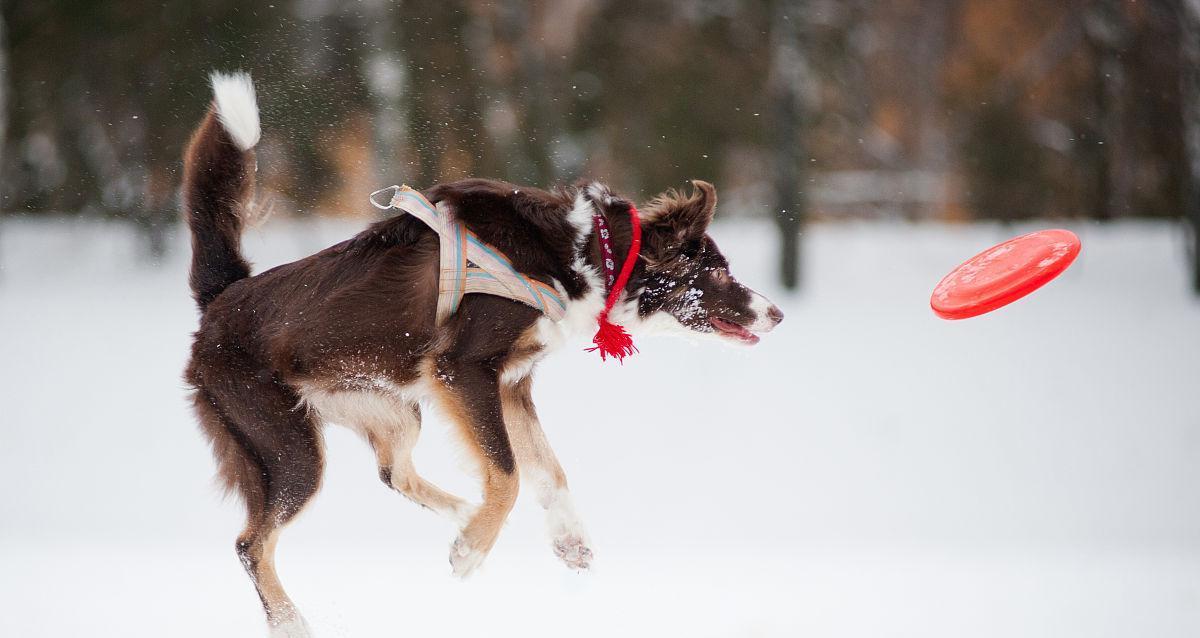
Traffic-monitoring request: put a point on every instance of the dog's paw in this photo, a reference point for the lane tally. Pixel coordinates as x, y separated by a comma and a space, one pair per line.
567, 536
465, 559
572, 550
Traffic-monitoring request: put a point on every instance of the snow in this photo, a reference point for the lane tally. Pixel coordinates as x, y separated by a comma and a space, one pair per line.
866, 470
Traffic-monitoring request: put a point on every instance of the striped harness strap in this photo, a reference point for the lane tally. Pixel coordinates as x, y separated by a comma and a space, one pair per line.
468, 265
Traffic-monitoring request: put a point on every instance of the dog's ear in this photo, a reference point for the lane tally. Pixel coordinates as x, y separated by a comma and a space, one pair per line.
684, 217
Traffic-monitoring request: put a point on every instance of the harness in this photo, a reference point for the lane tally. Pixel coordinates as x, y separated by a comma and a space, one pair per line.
469, 265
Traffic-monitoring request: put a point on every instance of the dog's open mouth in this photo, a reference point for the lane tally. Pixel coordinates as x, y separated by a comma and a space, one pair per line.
733, 331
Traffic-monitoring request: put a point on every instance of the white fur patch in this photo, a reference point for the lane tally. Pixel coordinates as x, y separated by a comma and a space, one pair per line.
561, 517
351, 408
363, 401
580, 317
661, 323
237, 108
580, 217
762, 318
515, 370
294, 627
600, 193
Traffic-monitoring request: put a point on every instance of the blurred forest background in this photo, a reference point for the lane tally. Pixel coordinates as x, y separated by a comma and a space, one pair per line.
797, 109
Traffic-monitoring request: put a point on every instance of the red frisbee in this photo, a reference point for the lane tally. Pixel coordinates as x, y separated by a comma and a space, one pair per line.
1004, 273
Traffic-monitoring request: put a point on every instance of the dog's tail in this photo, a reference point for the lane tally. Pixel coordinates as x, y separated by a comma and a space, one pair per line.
218, 179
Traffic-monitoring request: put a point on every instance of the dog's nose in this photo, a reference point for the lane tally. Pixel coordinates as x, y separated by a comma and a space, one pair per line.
775, 314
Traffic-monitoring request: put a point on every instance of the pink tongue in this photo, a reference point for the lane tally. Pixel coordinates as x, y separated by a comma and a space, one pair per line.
731, 328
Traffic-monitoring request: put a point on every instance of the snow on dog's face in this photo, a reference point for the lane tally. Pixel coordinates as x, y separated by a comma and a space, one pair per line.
686, 282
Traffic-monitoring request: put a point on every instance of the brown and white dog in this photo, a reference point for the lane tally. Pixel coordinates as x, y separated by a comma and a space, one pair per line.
348, 336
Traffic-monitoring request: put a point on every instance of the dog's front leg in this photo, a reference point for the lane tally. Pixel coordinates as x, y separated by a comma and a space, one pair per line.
541, 469
468, 392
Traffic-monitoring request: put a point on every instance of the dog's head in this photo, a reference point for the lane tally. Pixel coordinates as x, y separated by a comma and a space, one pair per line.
686, 281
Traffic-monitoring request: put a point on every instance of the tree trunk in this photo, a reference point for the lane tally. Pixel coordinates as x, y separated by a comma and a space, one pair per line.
1106, 30
930, 54
3, 98
786, 77
1190, 100
4, 92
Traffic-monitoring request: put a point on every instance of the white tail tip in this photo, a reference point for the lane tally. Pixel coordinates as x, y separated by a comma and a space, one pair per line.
236, 107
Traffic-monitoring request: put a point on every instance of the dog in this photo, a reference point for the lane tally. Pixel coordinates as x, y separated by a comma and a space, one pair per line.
348, 335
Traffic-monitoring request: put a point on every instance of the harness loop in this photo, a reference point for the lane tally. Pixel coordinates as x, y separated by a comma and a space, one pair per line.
391, 200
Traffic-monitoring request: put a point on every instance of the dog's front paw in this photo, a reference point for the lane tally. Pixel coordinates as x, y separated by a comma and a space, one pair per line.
464, 558
567, 536
572, 550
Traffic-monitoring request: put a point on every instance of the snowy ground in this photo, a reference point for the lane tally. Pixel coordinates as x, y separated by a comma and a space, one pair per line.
868, 470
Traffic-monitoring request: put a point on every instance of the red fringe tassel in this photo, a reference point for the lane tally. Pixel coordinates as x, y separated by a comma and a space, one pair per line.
612, 341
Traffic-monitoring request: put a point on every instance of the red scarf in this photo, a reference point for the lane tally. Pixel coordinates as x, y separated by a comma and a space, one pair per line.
611, 339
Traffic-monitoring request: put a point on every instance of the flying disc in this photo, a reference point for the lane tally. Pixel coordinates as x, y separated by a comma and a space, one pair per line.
1004, 273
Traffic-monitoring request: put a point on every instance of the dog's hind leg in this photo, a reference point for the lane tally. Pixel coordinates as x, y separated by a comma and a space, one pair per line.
396, 440
391, 425
271, 455
540, 468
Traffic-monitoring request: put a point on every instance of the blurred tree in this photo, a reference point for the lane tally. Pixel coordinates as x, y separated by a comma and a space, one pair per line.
385, 67
929, 57
4, 96
445, 105
788, 72
1002, 164
521, 113
1004, 52
4, 89
1107, 37
103, 138
666, 91
1188, 15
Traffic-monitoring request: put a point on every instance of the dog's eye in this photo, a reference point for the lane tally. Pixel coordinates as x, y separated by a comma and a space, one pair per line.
691, 249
